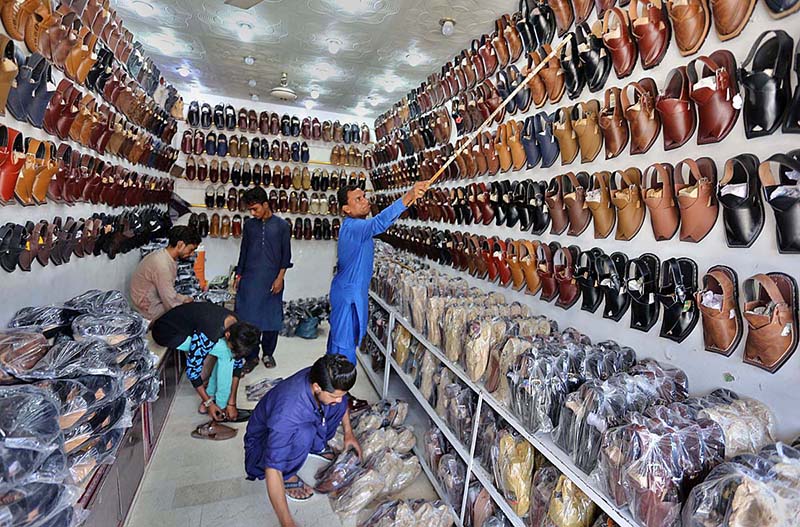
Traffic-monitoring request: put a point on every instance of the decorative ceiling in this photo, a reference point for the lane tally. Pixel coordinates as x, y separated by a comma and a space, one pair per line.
359, 55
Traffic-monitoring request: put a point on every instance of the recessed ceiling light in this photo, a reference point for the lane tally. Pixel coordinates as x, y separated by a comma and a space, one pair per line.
355, 6
309, 104
360, 111
252, 83
142, 8
184, 71
415, 58
249, 60
374, 100
253, 96
334, 45
323, 71
448, 26
314, 93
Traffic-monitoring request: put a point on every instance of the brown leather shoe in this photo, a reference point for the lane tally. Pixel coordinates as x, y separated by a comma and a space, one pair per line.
697, 197
676, 109
719, 306
715, 91
514, 137
215, 226
565, 135
613, 124
616, 33
770, 308
536, 83
562, 9
583, 8
554, 197
659, 195
651, 29
640, 112
551, 74
626, 194
574, 188
501, 147
730, 16
584, 123
598, 200
225, 229
691, 20
236, 226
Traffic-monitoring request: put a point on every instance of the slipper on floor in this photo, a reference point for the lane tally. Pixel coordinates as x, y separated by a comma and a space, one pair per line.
242, 416
299, 484
214, 432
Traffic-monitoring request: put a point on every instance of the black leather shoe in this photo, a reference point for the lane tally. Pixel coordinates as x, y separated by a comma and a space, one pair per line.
510, 191
308, 233
611, 278
298, 229
205, 115
742, 215
586, 276
641, 279
286, 125
766, 86
295, 126
230, 118
792, 122
676, 291
193, 116
219, 116
595, 60
777, 178
326, 229
203, 225
296, 152
572, 67
236, 174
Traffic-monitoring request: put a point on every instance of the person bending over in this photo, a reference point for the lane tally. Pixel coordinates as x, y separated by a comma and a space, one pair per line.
350, 287
215, 342
294, 419
153, 283
264, 257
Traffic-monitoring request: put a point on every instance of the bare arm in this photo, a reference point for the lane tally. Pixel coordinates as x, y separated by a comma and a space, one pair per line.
349, 437
277, 496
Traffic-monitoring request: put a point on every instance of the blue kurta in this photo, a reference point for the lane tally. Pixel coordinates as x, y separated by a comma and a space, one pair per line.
350, 286
265, 250
287, 425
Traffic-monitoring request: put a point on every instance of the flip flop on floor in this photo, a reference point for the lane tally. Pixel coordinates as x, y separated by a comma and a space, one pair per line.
299, 484
326, 455
214, 432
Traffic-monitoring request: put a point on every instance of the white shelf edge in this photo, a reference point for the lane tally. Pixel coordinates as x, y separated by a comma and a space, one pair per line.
540, 441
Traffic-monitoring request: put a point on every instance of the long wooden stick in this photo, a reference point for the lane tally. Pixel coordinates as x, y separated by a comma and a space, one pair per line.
471, 137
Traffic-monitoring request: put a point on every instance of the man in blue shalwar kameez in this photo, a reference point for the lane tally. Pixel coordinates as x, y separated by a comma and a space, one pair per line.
264, 257
294, 419
350, 287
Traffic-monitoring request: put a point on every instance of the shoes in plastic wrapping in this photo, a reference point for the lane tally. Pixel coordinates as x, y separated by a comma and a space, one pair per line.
604, 521
114, 414
69, 358
136, 367
499, 365
512, 461
569, 506
433, 513
48, 320
112, 328
488, 437
419, 306
480, 506
434, 446
398, 471
401, 344
28, 418
38, 505
367, 486
443, 378
460, 411
434, 313
20, 350
339, 473
749, 490
542, 487
451, 474
426, 374
455, 325
82, 396
96, 301
400, 440
255, 392
23, 465
481, 336
396, 513
99, 450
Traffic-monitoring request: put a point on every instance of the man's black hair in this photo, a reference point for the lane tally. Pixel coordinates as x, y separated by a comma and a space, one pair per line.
244, 340
333, 372
343, 192
255, 196
182, 233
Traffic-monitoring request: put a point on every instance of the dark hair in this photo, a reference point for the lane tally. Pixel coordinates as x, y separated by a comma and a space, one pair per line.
182, 233
343, 192
333, 372
244, 339
255, 196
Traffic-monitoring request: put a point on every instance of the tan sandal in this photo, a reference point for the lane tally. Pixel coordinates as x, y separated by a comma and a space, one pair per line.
214, 431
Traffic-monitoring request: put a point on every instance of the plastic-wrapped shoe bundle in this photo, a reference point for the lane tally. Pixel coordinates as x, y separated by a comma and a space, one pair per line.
39, 504
599, 405
512, 461
426, 375
481, 336
749, 490
419, 306
70, 358
434, 446
49, 320
215, 296
366, 486
433, 513
96, 301
451, 474
542, 487
81, 397
401, 344
339, 473
499, 365
569, 506
747, 424
113, 329
136, 367
455, 324
20, 350
479, 505
395, 513
377, 357
398, 471
460, 410
400, 440
443, 378
414, 360
394, 412
434, 313
114, 414
99, 450
488, 437
255, 392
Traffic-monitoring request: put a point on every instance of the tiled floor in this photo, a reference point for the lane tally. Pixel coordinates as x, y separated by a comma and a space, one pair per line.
196, 483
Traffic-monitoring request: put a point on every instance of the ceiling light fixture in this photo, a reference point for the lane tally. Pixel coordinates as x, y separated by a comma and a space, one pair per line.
360, 111
323, 71
283, 92
143, 9
184, 71
253, 96
314, 93
354, 6
252, 83
249, 60
374, 100
415, 58
334, 45
448, 26
309, 104
245, 30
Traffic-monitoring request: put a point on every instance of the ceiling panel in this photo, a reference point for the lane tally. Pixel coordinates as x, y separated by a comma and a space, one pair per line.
361, 55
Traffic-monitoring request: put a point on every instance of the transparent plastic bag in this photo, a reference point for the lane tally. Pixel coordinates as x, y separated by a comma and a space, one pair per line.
39, 504
393, 412
451, 474
366, 486
115, 414
434, 312
482, 506
366, 422
542, 487
434, 445
419, 306
20, 350
748, 425
70, 358
455, 324
443, 378
23, 465
28, 418
433, 513
477, 345
509, 352
391, 514
512, 460
49, 320
402, 343
114, 329
569, 506
257, 391
81, 396
460, 411
409, 472
402, 439
373, 441
339, 473
101, 449
427, 372
96, 301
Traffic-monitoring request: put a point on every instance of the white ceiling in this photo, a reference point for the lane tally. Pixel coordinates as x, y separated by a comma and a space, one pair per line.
370, 71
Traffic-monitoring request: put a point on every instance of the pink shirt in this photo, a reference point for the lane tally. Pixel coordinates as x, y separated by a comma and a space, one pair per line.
153, 285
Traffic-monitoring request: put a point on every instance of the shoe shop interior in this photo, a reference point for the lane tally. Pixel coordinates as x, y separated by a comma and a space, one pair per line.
520, 263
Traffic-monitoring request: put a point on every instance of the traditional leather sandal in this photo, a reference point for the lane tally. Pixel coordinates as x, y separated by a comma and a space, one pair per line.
587, 279
718, 302
598, 201
554, 197
642, 280
779, 190
677, 289
697, 199
545, 270
563, 269
742, 214
215, 432
771, 311
611, 280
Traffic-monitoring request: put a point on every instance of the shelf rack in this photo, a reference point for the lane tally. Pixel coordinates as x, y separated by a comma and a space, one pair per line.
540, 441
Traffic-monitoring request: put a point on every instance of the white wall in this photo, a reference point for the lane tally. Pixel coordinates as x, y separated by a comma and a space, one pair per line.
313, 260
706, 370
